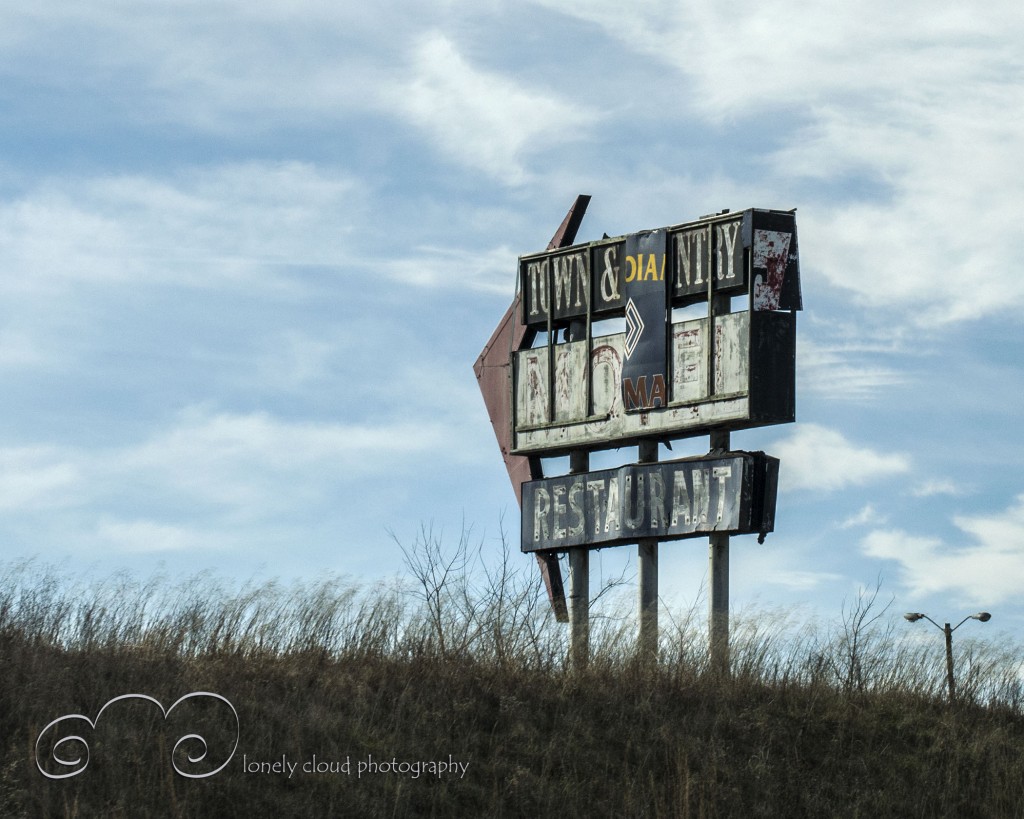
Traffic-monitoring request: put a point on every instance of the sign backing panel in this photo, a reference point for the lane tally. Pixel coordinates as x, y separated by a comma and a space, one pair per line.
645, 365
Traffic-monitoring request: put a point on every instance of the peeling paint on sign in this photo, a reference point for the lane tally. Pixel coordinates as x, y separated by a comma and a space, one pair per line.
771, 252
752, 384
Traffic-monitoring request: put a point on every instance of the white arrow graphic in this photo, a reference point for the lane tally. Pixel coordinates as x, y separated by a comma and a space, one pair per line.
634, 327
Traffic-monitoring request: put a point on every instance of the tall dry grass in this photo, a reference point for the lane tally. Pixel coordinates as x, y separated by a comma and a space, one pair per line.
461, 657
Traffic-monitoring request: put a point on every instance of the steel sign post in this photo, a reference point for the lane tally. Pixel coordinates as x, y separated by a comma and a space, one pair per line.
579, 584
647, 572
718, 548
718, 581
572, 388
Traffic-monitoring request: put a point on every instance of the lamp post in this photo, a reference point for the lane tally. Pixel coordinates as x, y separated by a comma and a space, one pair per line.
914, 616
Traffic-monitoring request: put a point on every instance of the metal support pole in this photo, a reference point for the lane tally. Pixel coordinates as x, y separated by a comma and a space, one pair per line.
579, 585
718, 573
718, 549
647, 569
949, 663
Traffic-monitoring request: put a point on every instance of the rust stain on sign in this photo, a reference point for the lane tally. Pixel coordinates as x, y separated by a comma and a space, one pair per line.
771, 252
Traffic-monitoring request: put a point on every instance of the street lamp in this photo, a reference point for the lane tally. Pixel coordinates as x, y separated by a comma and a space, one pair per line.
914, 616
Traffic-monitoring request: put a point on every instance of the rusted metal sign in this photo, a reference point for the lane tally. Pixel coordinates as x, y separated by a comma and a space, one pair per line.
588, 386
731, 493
660, 378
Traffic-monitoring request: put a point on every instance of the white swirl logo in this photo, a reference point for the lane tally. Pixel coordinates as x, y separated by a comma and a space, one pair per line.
59, 749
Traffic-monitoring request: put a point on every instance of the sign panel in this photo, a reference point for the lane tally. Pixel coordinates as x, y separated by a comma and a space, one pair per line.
712, 255
733, 493
608, 290
708, 254
644, 364
730, 372
774, 261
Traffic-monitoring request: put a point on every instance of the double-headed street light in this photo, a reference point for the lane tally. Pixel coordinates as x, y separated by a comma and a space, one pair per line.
914, 616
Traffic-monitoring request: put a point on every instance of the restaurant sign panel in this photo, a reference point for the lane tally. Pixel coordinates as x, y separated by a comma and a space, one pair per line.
732, 493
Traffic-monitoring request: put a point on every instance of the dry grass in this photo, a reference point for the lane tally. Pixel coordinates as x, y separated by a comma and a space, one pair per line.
462, 660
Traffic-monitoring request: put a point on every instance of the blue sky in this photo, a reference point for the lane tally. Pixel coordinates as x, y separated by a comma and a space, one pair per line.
250, 251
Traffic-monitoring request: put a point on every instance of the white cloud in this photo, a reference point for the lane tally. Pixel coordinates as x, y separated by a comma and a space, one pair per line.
244, 460
815, 457
924, 251
807, 52
842, 371
939, 144
226, 468
19, 350
937, 486
294, 360
798, 580
483, 118
213, 67
76, 245
1003, 532
867, 515
206, 227
147, 536
35, 477
82, 254
989, 571
49, 236
491, 271
915, 104
779, 567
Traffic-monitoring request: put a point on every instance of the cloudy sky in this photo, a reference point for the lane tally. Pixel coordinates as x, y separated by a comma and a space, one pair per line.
250, 251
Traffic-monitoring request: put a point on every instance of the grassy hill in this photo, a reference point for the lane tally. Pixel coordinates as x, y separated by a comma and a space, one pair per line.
448, 696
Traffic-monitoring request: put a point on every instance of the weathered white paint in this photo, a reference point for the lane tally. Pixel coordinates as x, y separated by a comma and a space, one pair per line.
570, 385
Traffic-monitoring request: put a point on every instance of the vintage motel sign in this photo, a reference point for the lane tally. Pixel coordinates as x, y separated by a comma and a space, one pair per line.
588, 387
